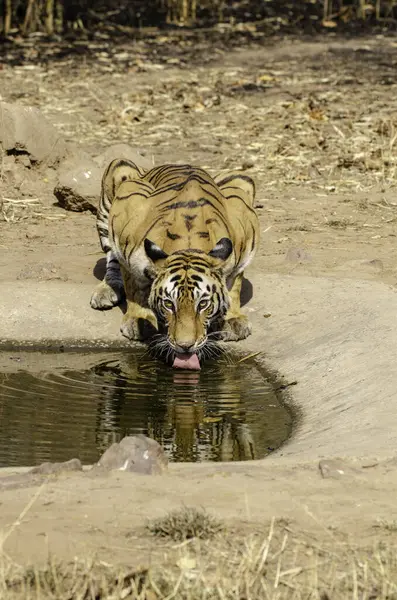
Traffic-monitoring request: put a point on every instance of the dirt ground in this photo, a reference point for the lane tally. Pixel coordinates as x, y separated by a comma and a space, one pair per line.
313, 121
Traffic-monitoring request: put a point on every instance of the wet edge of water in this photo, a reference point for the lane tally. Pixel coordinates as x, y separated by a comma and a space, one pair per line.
282, 388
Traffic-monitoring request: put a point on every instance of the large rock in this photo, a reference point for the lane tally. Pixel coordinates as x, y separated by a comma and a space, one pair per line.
136, 454
79, 181
25, 129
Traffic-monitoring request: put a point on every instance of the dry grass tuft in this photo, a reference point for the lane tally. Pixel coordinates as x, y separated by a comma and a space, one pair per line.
184, 524
338, 223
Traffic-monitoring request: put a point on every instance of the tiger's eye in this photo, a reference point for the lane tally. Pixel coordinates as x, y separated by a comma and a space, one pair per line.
202, 305
168, 304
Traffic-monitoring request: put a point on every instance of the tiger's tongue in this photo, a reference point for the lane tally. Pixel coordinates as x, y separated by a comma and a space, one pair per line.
187, 361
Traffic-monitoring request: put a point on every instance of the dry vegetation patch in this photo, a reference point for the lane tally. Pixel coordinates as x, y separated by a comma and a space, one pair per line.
278, 565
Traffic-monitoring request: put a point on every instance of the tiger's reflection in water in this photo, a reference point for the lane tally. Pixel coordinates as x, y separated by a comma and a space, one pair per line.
57, 406
195, 416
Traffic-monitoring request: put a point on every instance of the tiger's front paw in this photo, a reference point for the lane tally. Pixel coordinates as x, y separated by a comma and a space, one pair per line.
105, 297
236, 328
138, 328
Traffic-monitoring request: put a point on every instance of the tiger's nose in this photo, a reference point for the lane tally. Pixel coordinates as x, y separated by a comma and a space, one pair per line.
185, 347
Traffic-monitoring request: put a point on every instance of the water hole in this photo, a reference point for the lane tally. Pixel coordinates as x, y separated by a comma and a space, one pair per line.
57, 406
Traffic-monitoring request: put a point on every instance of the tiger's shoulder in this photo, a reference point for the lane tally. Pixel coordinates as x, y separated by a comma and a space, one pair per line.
173, 177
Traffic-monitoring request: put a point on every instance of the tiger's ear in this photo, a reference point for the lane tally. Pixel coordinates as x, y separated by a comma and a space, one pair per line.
153, 251
235, 184
120, 170
223, 249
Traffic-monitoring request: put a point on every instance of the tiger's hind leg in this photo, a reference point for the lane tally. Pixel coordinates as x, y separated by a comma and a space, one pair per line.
236, 325
139, 321
110, 291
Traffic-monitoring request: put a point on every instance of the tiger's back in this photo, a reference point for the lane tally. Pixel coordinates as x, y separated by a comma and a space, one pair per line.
180, 207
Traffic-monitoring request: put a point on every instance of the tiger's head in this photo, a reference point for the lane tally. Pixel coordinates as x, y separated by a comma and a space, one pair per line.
189, 296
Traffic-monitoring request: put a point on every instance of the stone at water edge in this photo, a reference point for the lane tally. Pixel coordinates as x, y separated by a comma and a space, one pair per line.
135, 454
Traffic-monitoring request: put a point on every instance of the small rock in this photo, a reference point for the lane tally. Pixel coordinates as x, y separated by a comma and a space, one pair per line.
33, 236
248, 163
336, 468
136, 454
25, 129
51, 468
297, 255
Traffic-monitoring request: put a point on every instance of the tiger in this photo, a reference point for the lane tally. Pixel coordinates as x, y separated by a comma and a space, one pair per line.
177, 242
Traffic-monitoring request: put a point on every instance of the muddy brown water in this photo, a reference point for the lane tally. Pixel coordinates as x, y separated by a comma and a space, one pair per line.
56, 406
